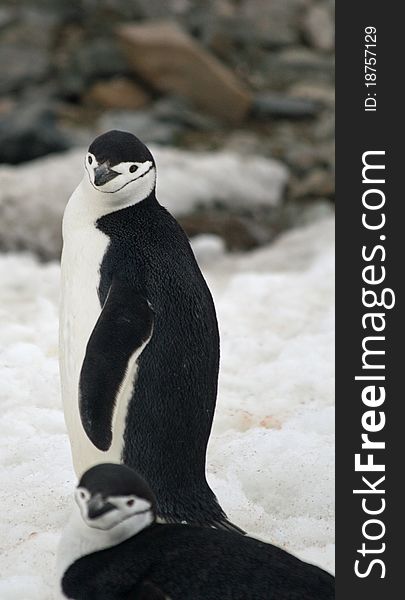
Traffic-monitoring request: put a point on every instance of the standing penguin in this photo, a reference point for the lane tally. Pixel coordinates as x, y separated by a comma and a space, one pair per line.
139, 343
113, 549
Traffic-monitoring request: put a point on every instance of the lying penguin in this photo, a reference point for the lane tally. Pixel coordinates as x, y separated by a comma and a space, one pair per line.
139, 342
113, 548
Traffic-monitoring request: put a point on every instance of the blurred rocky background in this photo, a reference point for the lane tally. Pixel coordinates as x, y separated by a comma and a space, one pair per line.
236, 98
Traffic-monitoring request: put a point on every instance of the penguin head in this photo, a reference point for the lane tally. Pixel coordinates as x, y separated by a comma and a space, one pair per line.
120, 167
109, 495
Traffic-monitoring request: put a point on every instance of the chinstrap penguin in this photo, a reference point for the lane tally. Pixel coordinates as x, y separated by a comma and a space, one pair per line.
139, 342
113, 549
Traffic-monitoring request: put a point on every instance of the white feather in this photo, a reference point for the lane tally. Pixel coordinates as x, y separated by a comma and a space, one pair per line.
78, 539
84, 247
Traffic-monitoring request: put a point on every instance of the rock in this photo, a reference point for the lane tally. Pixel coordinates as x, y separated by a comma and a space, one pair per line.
156, 9
326, 153
318, 26
324, 128
271, 105
88, 61
226, 35
22, 66
116, 93
6, 105
251, 33
33, 196
238, 233
25, 51
321, 93
246, 139
177, 110
162, 122
301, 157
319, 183
100, 57
105, 11
7, 16
28, 132
143, 123
277, 17
172, 62
297, 64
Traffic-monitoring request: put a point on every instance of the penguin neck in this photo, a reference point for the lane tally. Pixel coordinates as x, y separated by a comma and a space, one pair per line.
91, 201
78, 539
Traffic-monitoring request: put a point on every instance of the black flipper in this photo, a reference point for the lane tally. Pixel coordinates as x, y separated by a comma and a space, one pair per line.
125, 323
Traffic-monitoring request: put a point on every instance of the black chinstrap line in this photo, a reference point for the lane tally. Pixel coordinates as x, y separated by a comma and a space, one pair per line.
122, 187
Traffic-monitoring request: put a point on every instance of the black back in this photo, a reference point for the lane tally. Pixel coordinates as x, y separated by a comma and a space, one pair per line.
189, 563
170, 415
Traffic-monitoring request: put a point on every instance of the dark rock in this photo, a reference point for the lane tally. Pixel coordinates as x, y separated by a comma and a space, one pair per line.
24, 66
144, 124
304, 155
92, 12
319, 183
269, 37
301, 156
177, 110
30, 27
305, 212
162, 123
28, 132
291, 65
7, 16
238, 232
227, 35
277, 17
25, 51
326, 153
91, 60
116, 9
270, 105
319, 92
156, 9
324, 128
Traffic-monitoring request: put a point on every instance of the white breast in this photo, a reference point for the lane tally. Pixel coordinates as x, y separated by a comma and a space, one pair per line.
79, 540
84, 247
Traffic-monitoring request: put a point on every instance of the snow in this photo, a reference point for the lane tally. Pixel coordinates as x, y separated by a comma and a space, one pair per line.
270, 457
39, 190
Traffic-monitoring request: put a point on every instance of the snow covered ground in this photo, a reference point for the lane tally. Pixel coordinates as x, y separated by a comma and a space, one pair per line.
271, 456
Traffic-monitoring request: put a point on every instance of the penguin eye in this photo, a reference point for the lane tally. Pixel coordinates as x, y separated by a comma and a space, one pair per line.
130, 502
90, 160
82, 495
133, 168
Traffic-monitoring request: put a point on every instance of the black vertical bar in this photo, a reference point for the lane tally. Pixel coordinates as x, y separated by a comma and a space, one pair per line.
359, 131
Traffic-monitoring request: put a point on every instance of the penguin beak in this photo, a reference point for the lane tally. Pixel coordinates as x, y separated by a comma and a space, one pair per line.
103, 174
96, 507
